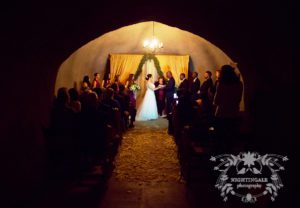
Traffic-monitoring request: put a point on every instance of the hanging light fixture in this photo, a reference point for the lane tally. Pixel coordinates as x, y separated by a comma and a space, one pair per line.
153, 43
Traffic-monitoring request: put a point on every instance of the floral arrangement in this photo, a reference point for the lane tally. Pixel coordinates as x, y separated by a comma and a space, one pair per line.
134, 87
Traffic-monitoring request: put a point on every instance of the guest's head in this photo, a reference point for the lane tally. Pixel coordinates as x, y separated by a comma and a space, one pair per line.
97, 76
228, 75
109, 94
62, 97
73, 94
207, 75
121, 88
194, 75
115, 87
85, 86
148, 77
92, 99
98, 91
169, 75
182, 76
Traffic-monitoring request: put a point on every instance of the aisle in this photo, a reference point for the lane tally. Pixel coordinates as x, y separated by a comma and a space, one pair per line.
147, 172
148, 154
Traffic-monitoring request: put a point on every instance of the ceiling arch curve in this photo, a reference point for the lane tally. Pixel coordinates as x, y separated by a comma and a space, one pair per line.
92, 57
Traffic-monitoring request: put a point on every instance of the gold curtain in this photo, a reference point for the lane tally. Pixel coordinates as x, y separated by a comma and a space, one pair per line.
125, 64
175, 63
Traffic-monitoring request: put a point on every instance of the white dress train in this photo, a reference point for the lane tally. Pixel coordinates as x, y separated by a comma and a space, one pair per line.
148, 108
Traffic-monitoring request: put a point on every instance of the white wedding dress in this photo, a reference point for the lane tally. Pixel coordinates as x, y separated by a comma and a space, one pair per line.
148, 108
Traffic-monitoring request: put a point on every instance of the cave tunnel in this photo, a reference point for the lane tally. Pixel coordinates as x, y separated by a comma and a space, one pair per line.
39, 41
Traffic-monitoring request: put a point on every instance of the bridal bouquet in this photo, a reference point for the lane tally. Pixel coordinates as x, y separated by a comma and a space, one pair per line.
134, 87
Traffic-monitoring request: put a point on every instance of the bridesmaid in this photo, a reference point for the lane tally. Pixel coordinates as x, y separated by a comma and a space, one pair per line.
129, 82
96, 82
106, 82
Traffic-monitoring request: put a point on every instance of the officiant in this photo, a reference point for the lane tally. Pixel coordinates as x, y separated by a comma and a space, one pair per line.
170, 90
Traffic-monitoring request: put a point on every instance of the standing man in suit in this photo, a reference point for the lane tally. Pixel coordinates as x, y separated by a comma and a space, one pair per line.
184, 84
195, 88
170, 90
206, 86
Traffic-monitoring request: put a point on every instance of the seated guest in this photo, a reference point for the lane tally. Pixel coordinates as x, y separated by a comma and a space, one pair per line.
93, 124
62, 146
126, 105
110, 101
96, 82
83, 99
160, 96
112, 109
125, 96
195, 88
121, 98
118, 97
62, 115
99, 93
74, 100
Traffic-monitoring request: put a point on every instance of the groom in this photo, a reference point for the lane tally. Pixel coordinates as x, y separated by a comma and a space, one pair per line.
170, 90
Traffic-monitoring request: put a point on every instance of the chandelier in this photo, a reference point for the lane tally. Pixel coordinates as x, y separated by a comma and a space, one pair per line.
153, 43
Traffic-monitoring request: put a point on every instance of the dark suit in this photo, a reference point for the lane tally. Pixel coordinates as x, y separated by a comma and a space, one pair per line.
204, 89
195, 88
170, 90
183, 87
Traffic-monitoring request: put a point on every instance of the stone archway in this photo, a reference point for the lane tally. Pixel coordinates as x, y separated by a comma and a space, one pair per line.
92, 57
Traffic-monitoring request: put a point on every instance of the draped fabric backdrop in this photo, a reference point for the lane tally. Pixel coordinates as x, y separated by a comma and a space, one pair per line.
125, 64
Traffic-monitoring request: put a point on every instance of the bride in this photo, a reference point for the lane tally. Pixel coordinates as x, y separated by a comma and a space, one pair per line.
148, 108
